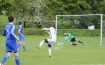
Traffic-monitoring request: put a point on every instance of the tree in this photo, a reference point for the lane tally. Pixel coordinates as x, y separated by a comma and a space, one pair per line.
4, 6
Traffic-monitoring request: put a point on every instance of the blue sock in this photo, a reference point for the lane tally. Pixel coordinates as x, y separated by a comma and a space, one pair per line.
17, 60
18, 45
4, 59
24, 47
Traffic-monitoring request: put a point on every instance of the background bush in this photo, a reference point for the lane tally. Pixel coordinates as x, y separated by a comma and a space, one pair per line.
80, 32
76, 32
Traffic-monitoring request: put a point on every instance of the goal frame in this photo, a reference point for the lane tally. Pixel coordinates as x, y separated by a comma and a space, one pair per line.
101, 22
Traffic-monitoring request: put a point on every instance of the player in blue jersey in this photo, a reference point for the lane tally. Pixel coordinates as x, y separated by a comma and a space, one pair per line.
21, 36
11, 38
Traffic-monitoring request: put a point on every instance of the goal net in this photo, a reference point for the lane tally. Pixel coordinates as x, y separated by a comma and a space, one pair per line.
87, 28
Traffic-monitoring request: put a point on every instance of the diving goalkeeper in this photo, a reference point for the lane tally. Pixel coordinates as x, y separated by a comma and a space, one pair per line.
71, 38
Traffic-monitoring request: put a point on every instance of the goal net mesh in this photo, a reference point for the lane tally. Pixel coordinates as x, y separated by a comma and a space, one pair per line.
86, 28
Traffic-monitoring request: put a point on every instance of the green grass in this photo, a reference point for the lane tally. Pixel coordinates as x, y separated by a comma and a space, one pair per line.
89, 54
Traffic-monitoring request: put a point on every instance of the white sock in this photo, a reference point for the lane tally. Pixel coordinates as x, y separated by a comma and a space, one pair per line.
49, 51
41, 43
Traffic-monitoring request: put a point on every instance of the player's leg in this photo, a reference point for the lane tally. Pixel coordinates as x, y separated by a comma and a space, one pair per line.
24, 46
8, 53
17, 59
15, 51
49, 49
50, 43
42, 43
70, 42
19, 44
5, 58
22, 42
73, 43
79, 41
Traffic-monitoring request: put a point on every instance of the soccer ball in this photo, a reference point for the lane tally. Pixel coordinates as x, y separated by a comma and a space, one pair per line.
60, 43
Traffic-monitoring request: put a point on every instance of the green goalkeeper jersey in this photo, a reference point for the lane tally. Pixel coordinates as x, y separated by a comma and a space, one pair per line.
69, 36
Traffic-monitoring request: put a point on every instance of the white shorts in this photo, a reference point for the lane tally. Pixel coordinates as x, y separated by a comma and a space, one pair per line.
51, 41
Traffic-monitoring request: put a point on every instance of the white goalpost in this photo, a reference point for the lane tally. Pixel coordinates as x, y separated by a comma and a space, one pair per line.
84, 15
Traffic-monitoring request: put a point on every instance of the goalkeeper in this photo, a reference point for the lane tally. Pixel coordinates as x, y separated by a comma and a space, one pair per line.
71, 38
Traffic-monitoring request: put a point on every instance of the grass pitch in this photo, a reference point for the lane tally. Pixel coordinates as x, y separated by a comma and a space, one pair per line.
89, 54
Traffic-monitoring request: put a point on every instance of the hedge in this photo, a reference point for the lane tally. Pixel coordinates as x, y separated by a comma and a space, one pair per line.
29, 31
80, 32
76, 32
32, 31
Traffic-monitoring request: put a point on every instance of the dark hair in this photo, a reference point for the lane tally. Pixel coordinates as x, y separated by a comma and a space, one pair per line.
20, 23
10, 18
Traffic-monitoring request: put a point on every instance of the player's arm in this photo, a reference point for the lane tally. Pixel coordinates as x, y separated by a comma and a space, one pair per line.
4, 32
65, 40
20, 30
12, 32
46, 29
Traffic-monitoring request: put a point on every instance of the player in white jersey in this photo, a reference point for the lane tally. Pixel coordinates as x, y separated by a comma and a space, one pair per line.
52, 39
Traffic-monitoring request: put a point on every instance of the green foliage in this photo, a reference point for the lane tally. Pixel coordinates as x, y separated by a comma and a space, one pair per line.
47, 9
78, 22
31, 31
80, 32
4, 6
55, 7
76, 32
1, 30
3, 20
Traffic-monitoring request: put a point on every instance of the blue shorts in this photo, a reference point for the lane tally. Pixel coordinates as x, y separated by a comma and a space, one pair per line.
21, 38
11, 46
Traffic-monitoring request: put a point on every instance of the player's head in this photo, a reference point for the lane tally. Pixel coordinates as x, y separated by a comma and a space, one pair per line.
20, 23
10, 18
51, 24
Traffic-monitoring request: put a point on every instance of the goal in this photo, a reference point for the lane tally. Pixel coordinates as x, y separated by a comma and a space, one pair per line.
87, 27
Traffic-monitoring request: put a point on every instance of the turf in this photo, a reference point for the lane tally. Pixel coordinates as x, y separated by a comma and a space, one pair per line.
89, 54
